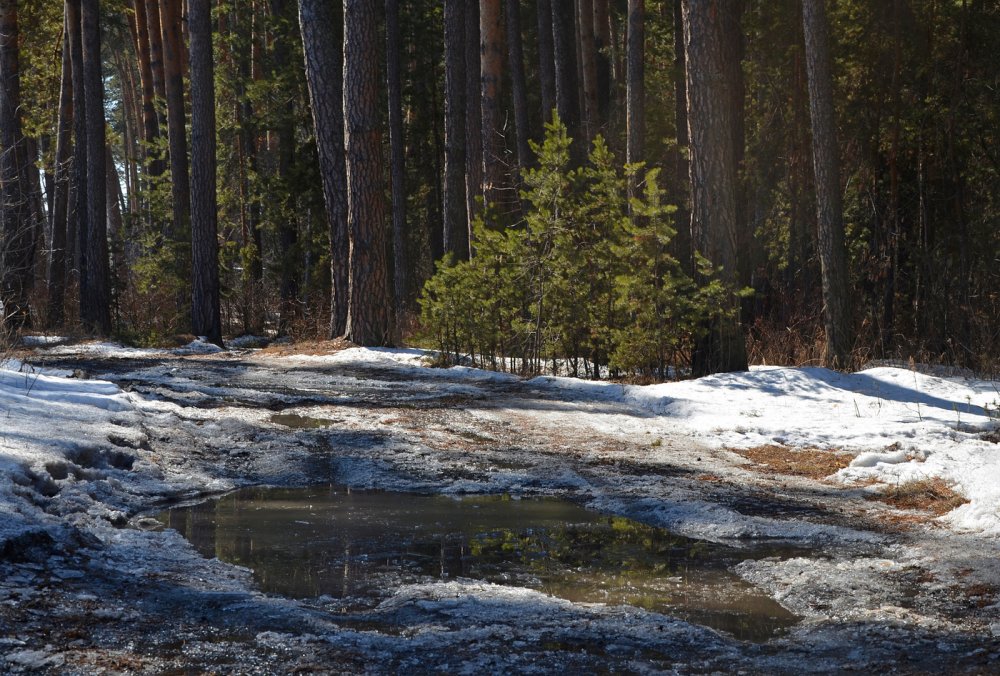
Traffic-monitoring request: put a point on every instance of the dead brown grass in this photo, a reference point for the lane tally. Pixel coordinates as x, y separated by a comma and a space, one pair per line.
814, 463
927, 495
311, 347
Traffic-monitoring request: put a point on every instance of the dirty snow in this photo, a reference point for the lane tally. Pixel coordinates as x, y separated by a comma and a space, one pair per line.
904, 425
81, 457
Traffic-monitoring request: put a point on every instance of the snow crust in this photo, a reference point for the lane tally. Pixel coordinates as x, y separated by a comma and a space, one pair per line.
904, 425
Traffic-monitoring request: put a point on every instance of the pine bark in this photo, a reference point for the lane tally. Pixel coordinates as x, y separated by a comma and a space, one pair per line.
491, 72
713, 174
602, 45
567, 84
635, 93
826, 165
682, 168
324, 75
397, 150
180, 182
76, 233
369, 317
546, 58
283, 138
95, 289
205, 315
455, 227
518, 82
16, 272
473, 120
56, 314
155, 34
588, 67
150, 123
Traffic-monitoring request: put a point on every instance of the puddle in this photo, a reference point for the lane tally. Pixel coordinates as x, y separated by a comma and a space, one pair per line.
360, 546
301, 422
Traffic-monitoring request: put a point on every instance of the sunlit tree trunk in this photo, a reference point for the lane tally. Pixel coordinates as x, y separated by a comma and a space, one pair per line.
205, 315
150, 123
369, 317
320, 28
155, 34
713, 174
95, 287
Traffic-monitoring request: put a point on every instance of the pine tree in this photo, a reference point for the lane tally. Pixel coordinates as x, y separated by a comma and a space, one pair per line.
205, 314
369, 317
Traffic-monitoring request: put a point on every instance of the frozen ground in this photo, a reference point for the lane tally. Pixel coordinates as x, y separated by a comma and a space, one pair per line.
96, 438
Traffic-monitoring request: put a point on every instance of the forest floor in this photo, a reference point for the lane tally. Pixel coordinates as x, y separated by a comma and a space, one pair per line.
872, 533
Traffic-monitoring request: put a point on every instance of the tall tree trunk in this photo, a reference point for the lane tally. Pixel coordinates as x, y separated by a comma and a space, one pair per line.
115, 225
16, 271
546, 58
473, 118
36, 210
324, 74
397, 149
95, 289
518, 82
602, 45
205, 316
155, 33
826, 165
635, 96
682, 170
180, 184
588, 67
455, 228
369, 317
76, 233
284, 139
150, 123
567, 89
713, 174
491, 70
56, 314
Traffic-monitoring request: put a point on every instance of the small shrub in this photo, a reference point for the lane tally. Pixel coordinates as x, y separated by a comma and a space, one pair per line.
585, 284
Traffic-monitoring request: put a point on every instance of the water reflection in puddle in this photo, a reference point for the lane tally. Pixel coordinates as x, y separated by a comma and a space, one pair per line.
319, 541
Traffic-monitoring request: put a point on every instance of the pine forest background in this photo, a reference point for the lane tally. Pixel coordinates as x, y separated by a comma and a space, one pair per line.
635, 188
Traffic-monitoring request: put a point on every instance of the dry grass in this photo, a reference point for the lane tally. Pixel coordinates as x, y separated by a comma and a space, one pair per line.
310, 347
807, 462
927, 495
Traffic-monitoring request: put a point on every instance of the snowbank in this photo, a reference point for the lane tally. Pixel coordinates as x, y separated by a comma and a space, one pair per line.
905, 425
52, 429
